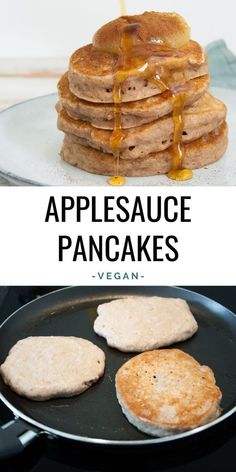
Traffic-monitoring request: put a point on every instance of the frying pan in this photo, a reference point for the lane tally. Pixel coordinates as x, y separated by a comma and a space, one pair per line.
95, 418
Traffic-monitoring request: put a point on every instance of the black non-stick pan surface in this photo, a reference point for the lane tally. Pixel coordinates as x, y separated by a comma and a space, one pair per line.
95, 416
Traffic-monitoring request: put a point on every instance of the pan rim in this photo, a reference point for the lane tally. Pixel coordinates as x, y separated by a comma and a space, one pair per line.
99, 441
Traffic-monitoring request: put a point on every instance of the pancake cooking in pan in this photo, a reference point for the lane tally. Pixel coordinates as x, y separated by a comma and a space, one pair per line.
191, 383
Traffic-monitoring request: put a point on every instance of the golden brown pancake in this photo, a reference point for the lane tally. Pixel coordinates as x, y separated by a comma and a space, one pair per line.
199, 153
200, 119
166, 391
133, 114
92, 72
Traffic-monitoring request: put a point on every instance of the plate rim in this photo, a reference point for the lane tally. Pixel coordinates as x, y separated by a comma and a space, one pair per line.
21, 180
8, 174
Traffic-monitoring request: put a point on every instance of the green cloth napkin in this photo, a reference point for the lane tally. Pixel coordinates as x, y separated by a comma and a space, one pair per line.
222, 64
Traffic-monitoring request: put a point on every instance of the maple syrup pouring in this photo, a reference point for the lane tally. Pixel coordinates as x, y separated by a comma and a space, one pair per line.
126, 45
177, 149
123, 7
131, 63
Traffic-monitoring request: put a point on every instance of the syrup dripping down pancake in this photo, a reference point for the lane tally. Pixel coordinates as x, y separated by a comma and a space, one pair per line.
133, 114
200, 119
199, 153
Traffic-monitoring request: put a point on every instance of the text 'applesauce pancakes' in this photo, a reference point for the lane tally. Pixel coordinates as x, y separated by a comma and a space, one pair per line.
135, 102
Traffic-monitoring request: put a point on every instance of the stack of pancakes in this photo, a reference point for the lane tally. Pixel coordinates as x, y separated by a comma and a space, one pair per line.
86, 108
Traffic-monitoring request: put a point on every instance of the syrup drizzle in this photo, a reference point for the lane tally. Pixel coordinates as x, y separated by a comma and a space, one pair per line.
123, 7
177, 148
126, 45
136, 63
117, 134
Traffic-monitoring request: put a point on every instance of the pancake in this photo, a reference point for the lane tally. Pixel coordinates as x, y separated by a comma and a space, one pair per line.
163, 28
92, 72
200, 119
135, 101
199, 153
166, 392
134, 114
44, 367
137, 324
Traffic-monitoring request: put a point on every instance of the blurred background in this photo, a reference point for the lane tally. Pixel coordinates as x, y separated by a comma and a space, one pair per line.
57, 27
37, 37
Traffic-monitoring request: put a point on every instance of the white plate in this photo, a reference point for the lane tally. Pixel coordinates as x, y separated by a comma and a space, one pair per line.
30, 146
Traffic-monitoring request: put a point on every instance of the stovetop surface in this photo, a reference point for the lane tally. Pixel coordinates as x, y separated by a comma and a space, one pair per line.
216, 454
